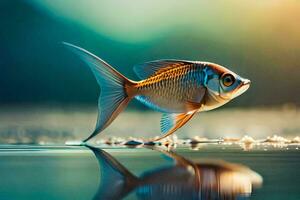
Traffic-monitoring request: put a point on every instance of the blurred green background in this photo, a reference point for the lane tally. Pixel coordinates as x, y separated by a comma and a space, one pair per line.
257, 39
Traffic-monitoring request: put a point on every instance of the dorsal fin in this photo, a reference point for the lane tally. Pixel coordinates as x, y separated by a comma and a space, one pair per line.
147, 69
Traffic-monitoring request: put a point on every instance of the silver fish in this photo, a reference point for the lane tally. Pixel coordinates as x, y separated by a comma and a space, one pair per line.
177, 88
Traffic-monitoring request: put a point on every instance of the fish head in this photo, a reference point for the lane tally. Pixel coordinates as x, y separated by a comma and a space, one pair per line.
222, 85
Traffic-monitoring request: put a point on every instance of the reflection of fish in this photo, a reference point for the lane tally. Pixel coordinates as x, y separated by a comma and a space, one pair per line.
185, 180
177, 88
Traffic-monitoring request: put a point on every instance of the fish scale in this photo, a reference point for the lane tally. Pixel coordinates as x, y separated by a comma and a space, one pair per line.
172, 88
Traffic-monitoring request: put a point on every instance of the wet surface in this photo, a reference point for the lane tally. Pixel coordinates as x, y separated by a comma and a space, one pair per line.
213, 171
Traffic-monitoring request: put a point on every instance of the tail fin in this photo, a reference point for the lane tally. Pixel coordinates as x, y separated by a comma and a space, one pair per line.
113, 96
116, 181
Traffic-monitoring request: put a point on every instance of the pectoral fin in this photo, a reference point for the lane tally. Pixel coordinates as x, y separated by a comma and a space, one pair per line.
178, 159
169, 123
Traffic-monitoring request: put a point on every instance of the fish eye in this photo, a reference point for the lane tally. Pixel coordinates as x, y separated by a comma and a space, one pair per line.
228, 80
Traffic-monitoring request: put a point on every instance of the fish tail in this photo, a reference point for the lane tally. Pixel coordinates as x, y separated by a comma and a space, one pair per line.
115, 89
113, 173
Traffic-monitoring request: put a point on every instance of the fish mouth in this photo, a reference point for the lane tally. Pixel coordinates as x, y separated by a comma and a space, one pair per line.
242, 88
246, 82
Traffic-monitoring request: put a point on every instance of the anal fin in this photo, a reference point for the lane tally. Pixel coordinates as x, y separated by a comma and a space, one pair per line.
169, 123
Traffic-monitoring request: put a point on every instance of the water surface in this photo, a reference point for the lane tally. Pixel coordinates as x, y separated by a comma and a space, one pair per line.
213, 171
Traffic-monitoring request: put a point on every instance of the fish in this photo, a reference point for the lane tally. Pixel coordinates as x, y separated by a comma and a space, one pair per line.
177, 88
184, 179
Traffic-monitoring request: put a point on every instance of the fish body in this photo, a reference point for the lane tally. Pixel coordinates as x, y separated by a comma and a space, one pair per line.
197, 181
177, 88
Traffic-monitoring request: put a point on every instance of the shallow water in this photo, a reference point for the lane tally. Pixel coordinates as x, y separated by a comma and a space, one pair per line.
213, 171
